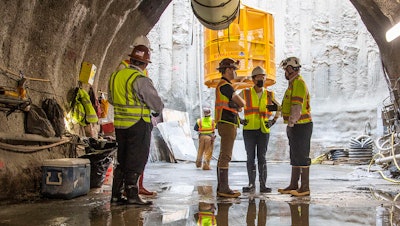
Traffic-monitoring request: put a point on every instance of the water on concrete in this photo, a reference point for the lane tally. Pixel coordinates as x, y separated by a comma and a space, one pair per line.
340, 195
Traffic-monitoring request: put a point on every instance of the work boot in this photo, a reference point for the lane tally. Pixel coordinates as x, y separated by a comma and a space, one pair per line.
117, 187
223, 213
299, 213
132, 190
251, 173
294, 181
251, 212
262, 213
223, 189
304, 189
206, 165
144, 191
262, 177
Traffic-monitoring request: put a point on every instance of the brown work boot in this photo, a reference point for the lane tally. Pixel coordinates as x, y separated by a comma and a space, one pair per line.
304, 189
294, 181
223, 189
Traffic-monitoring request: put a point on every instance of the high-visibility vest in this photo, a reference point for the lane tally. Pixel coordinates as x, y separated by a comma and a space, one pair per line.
297, 93
206, 218
126, 63
255, 111
221, 103
82, 110
206, 125
128, 109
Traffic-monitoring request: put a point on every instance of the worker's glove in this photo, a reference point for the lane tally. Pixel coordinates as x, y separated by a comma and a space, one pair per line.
232, 104
213, 136
155, 114
273, 107
244, 121
270, 123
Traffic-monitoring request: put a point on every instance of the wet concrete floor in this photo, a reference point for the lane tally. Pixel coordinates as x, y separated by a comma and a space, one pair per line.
340, 195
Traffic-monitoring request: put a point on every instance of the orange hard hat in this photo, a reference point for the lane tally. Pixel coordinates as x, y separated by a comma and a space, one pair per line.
141, 53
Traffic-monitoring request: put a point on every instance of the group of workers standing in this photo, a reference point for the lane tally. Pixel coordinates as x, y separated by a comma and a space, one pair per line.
136, 101
258, 105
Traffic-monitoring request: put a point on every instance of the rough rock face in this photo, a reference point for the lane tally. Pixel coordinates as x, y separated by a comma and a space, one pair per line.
49, 40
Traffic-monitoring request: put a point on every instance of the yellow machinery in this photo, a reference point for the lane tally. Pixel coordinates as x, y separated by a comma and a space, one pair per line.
249, 39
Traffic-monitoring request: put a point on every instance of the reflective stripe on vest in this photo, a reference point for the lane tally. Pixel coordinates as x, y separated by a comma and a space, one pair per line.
255, 110
221, 102
128, 109
302, 98
206, 125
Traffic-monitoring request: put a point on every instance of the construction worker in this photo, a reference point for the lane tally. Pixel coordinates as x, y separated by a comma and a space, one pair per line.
296, 114
134, 99
256, 128
206, 128
140, 40
206, 214
227, 106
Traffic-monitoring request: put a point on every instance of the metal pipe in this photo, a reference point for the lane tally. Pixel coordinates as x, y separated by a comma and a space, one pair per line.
386, 159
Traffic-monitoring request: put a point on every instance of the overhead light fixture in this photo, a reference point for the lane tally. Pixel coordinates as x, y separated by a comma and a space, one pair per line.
393, 32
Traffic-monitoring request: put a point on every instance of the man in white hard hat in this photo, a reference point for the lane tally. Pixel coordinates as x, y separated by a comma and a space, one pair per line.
206, 128
296, 112
256, 128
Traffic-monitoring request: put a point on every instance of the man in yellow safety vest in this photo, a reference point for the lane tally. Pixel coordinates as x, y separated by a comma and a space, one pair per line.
206, 127
256, 128
227, 106
296, 112
134, 99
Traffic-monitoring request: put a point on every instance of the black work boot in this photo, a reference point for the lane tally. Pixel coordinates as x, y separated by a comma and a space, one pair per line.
132, 190
223, 189
117, 187
294, 181
262, 176
251, 173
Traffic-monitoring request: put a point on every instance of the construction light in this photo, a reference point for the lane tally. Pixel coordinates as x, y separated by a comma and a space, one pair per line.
393, 32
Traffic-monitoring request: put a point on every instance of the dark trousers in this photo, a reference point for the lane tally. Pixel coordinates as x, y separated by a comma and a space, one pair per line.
133, 148
255, 142
300, 141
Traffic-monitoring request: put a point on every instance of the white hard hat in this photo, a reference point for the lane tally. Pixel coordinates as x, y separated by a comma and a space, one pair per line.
258, 71
206, 111
141, 40
290, 61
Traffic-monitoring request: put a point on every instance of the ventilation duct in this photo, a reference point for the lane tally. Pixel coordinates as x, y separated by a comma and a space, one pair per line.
216, 14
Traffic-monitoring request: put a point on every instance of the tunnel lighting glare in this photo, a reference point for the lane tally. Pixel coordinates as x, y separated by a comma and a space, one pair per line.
393, 32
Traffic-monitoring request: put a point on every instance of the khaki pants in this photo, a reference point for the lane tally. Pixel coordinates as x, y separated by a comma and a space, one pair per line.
206, 146
228, 135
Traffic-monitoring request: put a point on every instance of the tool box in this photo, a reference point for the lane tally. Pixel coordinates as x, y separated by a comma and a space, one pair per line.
65, 178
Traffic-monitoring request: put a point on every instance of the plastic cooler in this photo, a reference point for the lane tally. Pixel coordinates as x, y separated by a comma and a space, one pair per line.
65, 178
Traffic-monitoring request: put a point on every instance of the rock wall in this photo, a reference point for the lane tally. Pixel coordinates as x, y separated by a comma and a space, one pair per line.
340, 63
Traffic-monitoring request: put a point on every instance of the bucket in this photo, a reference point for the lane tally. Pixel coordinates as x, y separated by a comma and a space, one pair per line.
216, 14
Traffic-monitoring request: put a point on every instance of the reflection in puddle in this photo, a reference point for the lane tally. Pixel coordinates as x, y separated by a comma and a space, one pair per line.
388, 214
199, 206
